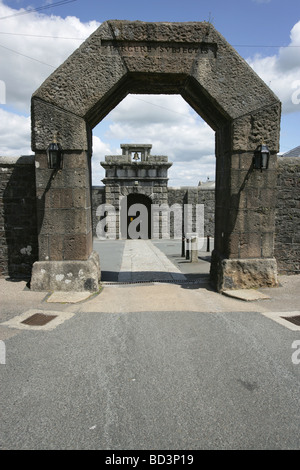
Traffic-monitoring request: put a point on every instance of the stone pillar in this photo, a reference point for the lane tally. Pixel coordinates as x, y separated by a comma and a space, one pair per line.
243, 255
64, 209
66, 260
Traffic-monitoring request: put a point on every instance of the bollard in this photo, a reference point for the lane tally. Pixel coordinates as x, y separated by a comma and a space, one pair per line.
194, 250
208, 243
187, 248
183, 247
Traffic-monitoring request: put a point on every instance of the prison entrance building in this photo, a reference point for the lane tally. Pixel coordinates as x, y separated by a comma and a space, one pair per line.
135, 177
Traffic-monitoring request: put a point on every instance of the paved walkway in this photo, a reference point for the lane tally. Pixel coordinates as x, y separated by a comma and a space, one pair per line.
142, 261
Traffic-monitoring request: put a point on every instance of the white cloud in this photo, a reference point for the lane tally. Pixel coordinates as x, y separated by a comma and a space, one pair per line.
172, 127
21, 74
165, 121
190, 173
281, 72
100, 149
139, 109
14, 134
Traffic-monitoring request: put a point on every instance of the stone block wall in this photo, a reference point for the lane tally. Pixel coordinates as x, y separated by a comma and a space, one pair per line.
18, 224
287, 229
64, 208
193, 196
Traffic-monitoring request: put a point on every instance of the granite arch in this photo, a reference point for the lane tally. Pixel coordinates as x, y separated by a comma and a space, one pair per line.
191, 59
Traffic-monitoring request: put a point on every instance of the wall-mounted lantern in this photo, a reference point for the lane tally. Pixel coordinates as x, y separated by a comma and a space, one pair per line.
261, 157
55, 155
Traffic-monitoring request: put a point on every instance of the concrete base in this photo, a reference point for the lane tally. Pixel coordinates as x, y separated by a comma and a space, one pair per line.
248, 295
67, 276
69, 297
228, 274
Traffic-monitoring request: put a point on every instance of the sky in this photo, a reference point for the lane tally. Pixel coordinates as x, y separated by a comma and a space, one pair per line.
37, 36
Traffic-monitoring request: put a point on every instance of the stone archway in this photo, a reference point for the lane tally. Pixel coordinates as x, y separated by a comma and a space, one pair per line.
191, 59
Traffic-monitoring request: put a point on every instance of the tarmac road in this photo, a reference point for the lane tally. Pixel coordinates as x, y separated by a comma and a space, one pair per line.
154, 366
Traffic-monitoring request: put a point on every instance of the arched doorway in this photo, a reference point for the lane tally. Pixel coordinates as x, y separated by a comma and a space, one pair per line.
191, 59
136, 215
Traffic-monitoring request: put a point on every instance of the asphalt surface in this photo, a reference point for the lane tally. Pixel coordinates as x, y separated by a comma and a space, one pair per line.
157, 366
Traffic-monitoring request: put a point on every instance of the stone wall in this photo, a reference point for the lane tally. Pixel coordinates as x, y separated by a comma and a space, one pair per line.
18, 225
287, 230
196, 195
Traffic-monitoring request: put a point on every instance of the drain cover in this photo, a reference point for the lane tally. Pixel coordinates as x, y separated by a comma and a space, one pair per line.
38, 319
295, 320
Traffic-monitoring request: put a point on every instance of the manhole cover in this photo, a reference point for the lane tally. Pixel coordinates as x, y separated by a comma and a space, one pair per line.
295, 320
38, 319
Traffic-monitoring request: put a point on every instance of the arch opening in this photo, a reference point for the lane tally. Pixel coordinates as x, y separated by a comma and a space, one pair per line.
176, 129
136, 215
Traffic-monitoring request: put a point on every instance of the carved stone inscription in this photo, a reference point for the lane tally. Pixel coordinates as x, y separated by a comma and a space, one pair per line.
130, 49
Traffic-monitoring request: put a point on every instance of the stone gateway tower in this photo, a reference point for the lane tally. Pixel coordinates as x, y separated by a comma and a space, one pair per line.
135, 177
191, 59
